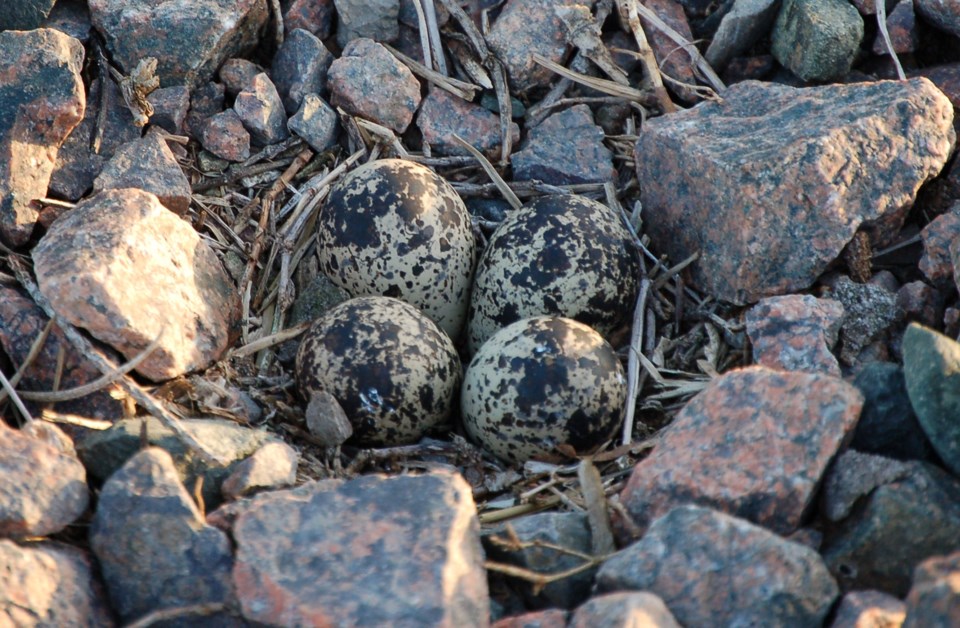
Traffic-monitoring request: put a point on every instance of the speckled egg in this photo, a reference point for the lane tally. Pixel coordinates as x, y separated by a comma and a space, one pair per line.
560, 255
395, 374
543, 382
395, 228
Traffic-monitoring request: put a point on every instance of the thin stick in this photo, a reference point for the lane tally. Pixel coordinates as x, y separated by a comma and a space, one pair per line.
5, 383
35, 349
633, 362
628, 13
882, 23
491, 172
269, 341
464, 90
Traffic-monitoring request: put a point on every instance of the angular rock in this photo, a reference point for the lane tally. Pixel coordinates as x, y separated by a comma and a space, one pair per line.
549, 618
868, 311
149, 165
947, 78
261, 111
941, 14
770, 185
375, 550
893, 529
937, 262
934, 599
21, 322
523, 28
224, 135
272, 466
49, 584
205, 101
442, 115
921, 303
931, 365
565, 529
153, 547
869, 609
712, 569
624, 610
316, 122
237, 74
71, 17
795, 333
855, 475
190, 40
887, 426
315, 16
817, 39
170, 107
300, 68
565, 148
717, 450
678, 66
94, 262
41, 101
43, 486
104, 452
25, 15
744, 25
368, 19
369, 82
902, 27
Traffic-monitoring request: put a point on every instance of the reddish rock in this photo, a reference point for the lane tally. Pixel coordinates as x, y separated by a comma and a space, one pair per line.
712, 569
526, 27
565, 148
375, 550
675, 63
549, 618
947, 79
93, 265
272, 466
225, 136
937, 262
770, 184
442, 115
941, 14
261, 111
49, 584
21, 322
921, 303
624, 610
43, 102
869, 609
300, 68
795, 333
43, 486
149, 165
154, 550
170, 107
237, 74
718, 449
315, 16
934, 598
369, 82
205, 101
902, 28
190, 40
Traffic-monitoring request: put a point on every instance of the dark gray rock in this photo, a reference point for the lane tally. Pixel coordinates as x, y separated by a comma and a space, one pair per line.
316, 122
745, 23
300, 68
205, 101
854, 475
25, 15
370, 19
817, 39
942, 14
888, 426
868, 311
170, 107
261, 110
565, 148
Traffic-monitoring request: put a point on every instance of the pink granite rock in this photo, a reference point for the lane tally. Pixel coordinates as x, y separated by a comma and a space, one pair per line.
43, 100
96, 261
869, 609
937, 263
442, 115
149, 165
261, 111
224, 135
934, 599
754, 443
795, 332
770, 185
315, 16
624, 608
272, 466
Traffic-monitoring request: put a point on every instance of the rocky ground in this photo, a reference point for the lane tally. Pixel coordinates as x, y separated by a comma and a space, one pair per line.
759, 232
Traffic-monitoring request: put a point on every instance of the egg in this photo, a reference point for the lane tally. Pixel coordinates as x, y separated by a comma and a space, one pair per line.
395, 374
539, 383
395, 228
560, 255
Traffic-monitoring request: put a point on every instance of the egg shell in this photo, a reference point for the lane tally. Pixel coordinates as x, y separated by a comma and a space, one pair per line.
395, 374
542, 382
397, 229
560, 255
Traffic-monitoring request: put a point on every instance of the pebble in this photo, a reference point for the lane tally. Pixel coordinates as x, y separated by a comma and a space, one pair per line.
237, 74
443, 115
300, 68
673, 62
205, 101
316, 122
944, 16
224, 135
624, 610
933, 599
260, 109
170, 107
936, 264
367, 19
795, 332
869, 310
869, 609
903, 31
315, 16
741, 27
817, 39
567, 147
273, 466
149, 165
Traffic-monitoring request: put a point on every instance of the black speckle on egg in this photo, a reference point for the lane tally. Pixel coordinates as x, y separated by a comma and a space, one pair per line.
539, 383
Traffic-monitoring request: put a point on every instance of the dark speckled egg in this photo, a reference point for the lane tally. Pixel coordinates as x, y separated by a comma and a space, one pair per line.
397, 229
562, 256
395, 374
543, 382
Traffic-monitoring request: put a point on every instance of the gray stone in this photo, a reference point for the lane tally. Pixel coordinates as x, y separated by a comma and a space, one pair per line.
272, 466
745, 23
170, 107
817, 39
237, 74
25, 15
316, 122
300, 68
261, 111
371, 19
887, 426
855, 475
942, 14
869, 310
565, 148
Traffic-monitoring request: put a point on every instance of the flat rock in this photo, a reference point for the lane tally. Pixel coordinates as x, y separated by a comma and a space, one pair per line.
817, 39
717, 450
742, 26
888, 425
931, 365
190, 40
49, 584
893, 529
272, 466
369, 82
442, 115
565, 148
369, 19
224, 135
261, 111
300, 68
934, 599
770, 185
41, 101
795, 332
154, 549
43, 486
869, 609
94, 262
316, 122
712, 569
624, 610
149, 165
523, 28
375, 550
